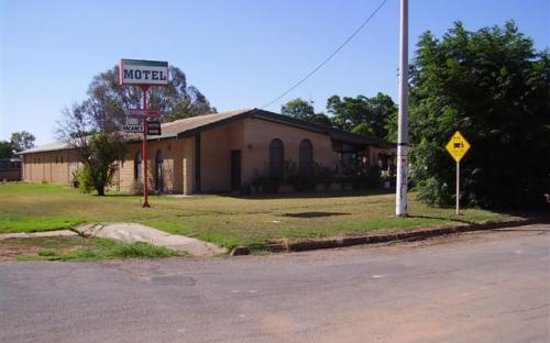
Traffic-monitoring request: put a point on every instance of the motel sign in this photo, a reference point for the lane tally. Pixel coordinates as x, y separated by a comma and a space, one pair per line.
143, 72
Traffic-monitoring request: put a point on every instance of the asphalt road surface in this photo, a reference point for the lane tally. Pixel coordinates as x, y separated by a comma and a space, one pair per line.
482, 287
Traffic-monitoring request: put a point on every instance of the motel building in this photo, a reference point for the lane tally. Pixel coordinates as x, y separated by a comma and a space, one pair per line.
217, 153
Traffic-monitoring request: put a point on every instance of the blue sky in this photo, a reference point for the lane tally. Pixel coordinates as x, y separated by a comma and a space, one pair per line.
239, 53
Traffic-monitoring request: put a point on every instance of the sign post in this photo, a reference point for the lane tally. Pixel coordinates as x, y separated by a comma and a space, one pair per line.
457, 147
144, 74
144, 89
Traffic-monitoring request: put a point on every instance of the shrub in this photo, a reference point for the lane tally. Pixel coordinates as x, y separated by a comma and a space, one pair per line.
434, 193
82, 179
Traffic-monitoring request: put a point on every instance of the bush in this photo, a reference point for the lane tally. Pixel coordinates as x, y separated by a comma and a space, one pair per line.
82, 179
266, 185
299, 180
434, 193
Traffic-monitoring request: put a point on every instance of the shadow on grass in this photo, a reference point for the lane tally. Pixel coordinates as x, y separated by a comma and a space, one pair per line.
131, 196
308, 215
310, 195
119, 195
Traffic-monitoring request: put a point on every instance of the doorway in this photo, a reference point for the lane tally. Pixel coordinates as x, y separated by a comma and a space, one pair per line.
235, 170
159, 172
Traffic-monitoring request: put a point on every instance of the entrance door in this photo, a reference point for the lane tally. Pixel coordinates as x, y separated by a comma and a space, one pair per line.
159, 172
235, 170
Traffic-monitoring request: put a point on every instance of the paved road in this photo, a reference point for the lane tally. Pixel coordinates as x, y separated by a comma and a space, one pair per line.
483, 287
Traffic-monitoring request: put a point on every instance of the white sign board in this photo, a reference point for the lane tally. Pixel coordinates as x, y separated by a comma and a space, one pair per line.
134, 121
143, 72
133, 128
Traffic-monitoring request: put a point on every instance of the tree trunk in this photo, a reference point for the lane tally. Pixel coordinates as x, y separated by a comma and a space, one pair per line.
100, 190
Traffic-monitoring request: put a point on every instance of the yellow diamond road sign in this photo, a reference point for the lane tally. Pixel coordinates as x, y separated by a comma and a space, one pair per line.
458, 146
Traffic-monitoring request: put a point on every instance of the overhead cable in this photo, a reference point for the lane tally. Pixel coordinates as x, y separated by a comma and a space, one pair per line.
326, 60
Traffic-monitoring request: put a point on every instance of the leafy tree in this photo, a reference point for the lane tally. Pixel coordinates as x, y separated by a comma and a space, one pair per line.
175, 101
362, 114
104, 149
89, 130
6, 149
298, 108
495, 88
301, 109
92, 127
22, 140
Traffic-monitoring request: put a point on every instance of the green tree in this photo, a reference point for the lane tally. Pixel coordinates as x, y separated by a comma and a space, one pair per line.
92, 127
494, 87
301, 109
362, 114
22, 141
6, 149
88, 129
175, 101
103, 148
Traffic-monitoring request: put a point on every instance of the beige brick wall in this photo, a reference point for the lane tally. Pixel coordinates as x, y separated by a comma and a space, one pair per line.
258, 135
173, 152
216, 146
251, 136
50, 166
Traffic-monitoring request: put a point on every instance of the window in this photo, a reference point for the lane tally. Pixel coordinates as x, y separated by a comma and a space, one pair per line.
306, 157
276, 158
137, 166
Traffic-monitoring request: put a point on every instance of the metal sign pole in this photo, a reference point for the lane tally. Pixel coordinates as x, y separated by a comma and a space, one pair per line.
144, 88
457, 188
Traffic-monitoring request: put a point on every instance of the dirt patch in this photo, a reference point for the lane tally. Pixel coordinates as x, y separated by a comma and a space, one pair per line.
12, 248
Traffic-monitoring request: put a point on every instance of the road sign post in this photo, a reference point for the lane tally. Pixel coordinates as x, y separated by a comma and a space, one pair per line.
143, 73
457, 147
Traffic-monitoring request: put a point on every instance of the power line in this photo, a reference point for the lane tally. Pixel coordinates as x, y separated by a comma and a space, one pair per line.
326, 60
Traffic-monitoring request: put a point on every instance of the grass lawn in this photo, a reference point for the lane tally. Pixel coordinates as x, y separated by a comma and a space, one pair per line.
76, 248
224, 220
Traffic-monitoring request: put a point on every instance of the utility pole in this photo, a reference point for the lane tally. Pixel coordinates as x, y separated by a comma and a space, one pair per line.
403, 121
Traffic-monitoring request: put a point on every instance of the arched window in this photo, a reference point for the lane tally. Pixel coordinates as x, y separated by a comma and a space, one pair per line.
137, 166
159, 173
276, 158
306, 157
